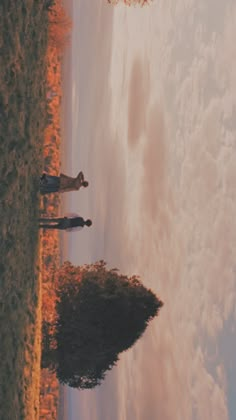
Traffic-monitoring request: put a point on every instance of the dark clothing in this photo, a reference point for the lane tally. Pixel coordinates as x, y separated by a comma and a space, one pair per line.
63, 183
62, 223
76, 221
49, 184
51, 226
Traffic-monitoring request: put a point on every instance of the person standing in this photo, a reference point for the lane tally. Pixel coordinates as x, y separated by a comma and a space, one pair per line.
72, 222
63, 183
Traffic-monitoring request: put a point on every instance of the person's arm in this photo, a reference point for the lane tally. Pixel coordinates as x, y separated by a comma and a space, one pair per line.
81, 176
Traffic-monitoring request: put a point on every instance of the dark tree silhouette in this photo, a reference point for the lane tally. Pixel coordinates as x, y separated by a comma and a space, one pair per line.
100, 313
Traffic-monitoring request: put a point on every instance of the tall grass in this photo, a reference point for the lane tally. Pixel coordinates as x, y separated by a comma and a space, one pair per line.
23, 39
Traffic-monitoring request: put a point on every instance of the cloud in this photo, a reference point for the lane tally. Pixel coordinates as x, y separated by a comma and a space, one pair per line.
186, 253
164, 204
138, 96
154, 165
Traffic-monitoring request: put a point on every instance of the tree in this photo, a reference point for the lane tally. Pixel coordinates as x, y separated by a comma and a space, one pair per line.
100, 313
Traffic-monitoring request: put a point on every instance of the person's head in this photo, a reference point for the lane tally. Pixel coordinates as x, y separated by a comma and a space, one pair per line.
85, 184
88, 222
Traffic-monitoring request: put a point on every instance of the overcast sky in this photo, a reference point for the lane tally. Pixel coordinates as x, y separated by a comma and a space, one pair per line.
153, 128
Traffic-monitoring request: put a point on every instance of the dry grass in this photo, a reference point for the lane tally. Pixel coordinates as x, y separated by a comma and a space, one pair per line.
23, 38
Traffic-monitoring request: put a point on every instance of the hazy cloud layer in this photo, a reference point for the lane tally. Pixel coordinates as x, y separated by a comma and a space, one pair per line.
138, 96
153, 186
164, 178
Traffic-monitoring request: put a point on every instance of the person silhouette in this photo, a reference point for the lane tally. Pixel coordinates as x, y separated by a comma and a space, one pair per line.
71, 222
62, 183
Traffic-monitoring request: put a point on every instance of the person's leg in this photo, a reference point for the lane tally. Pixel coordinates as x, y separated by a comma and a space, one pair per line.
61, 223
51, 178
51, 219
59, 226
47, 226
49, 184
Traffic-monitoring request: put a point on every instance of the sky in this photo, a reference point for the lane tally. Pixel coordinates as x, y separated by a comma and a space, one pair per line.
152, 111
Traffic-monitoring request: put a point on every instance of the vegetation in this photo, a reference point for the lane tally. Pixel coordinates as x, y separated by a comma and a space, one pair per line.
100, 313
49, 396
25, 79
23, 41
59, 26
58, 34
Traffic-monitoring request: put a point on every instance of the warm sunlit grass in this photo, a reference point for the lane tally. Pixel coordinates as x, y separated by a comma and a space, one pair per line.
23, 40
59, 28
27, 74
31, 394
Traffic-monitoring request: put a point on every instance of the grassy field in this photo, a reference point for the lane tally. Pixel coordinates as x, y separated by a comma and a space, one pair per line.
23, 38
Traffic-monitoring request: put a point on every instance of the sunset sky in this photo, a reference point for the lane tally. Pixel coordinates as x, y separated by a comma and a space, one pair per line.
152, 101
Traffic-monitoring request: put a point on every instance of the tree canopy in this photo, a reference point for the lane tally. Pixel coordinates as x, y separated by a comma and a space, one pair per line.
100, 313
